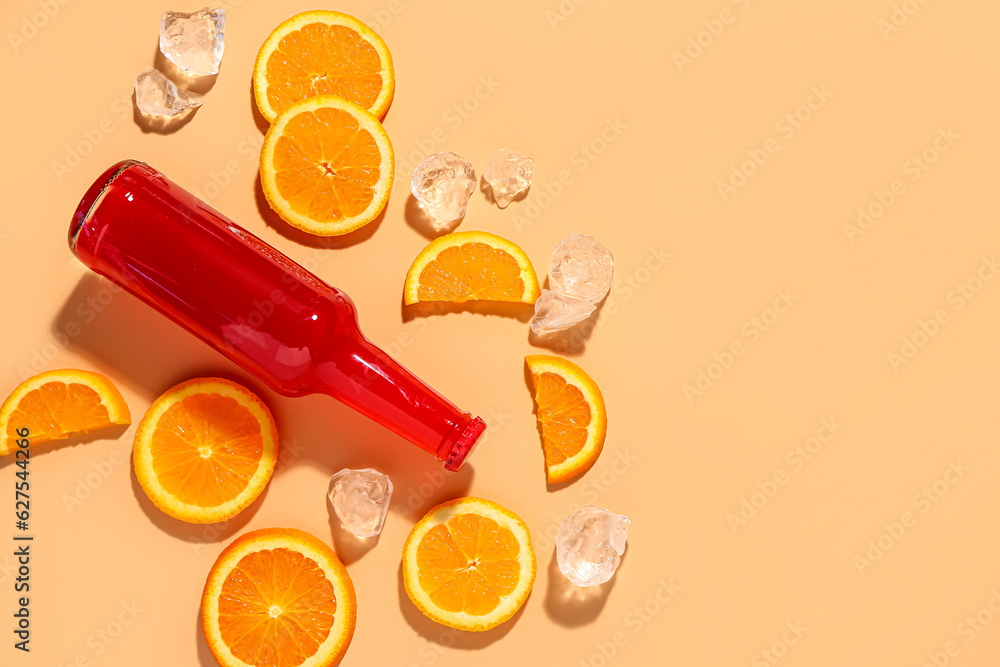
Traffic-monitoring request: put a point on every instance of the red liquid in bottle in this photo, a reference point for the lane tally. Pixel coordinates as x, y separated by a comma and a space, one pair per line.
255, 305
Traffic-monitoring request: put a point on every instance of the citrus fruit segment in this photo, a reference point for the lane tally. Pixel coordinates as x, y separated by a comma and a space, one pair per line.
205, 450
278, 597
469, 564
471, 266
323, 53
326, 166
571, 414
56, 404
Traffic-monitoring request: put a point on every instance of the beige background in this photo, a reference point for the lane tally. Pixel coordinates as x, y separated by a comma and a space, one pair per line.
631, 142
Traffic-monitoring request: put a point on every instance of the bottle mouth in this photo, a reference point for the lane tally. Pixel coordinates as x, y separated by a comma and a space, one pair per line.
91, 200
454, 459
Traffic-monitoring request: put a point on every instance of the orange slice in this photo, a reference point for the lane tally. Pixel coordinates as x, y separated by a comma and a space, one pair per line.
471, 266
571, 414
278, 597
323, 53
326, 166
56, 404
469, 564
205, 450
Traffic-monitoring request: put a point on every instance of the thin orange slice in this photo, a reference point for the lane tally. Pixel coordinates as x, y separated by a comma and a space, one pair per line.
571, 414
205, 450
326, 166
469, 564
278, 597
56, 404
323, 53
471, 266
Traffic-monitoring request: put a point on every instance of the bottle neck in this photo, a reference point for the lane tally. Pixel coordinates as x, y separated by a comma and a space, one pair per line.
366, 378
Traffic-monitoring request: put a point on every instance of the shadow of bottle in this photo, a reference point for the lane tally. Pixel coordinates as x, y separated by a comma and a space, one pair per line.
141, 349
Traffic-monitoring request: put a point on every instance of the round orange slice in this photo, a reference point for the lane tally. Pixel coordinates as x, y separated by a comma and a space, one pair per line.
205, 450
471, 266
469, 564
278, 597
571, 414
323, 52
57, 404
326, 166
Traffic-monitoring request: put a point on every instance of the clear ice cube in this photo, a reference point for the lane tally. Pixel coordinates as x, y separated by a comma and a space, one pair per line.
554, 312
508, 174
156, 95
589, 545
360, 498
581, 267
194, 41
443, 183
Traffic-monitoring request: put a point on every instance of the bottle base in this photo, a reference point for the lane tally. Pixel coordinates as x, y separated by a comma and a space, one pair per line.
90, 201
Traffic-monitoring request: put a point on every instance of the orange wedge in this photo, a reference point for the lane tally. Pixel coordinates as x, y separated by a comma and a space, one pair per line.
205, 450
56, 404
471, 266
469, 564
278, 597
571, 414
326, 166
323, 53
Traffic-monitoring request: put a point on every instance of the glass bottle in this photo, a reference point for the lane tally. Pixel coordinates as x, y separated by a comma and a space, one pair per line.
255, 305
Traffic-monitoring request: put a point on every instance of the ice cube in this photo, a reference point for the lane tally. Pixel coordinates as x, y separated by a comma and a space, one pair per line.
194, 41
589, 545
581, 267
156, 95
554, 312
360, 499
443, 183
508, 174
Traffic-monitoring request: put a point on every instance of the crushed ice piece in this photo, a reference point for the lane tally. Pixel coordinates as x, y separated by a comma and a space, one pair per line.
156, 95
509, 174
581, 267
194, 41
554, 312
360, 499
443, 183
589, 545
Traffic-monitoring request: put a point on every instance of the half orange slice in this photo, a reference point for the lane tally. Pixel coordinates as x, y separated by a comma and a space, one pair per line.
56, 404
471, 266
571, 414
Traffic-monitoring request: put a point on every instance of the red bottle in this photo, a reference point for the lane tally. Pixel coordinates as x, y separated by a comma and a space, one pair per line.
255, 305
